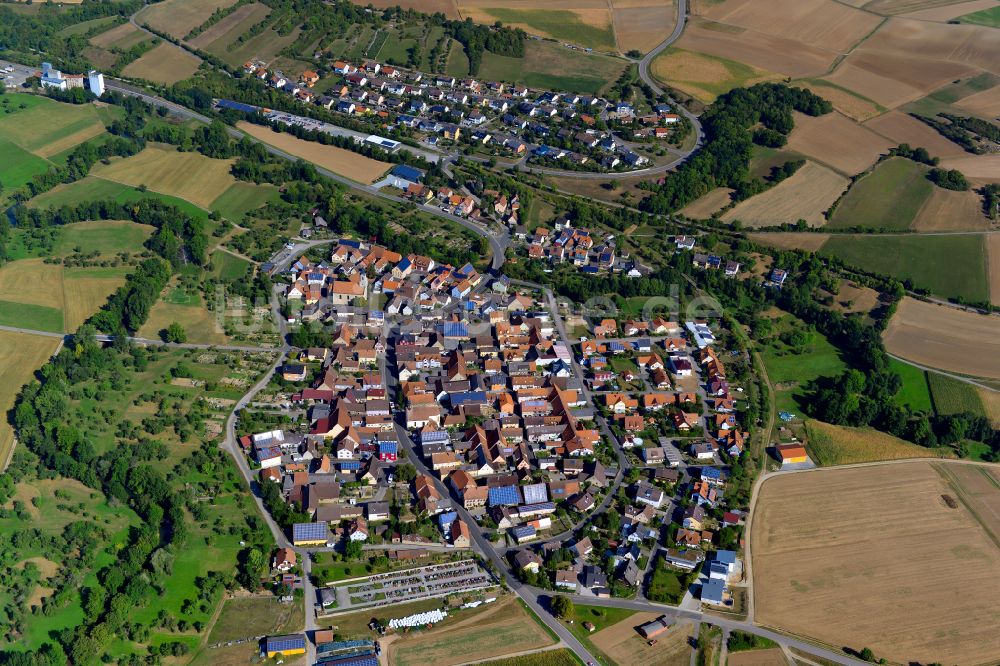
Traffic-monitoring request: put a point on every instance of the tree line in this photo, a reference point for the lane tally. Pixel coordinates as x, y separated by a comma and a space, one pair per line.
724, 159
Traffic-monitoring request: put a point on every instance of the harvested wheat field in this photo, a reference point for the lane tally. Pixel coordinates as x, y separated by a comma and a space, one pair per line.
948, 210
823, 23
768, 657
85, 290
165, 63
993, 266
22, 282
985, 104
624, 645
811, 242
837, 141
834, 548
178, 17
642, 24
848, 103
892, 78
950, 11
703, 76
903, 128
979, 169
344, 162
703, 207
503, 628
976, 487
946, 338
767, 52
991, 404
190, 176
970, 45
804, 196
123, 36
20, 356
212, 33
891, 7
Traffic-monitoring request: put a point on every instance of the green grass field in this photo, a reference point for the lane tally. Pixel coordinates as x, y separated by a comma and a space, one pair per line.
241, 198
86, 26
558, 23
915, 392
106, 237
949, 266
45, 126
18, 166
548, 65
888, 198
952, 396
790, 370
93, 188
988, 17
228, 267
31, 316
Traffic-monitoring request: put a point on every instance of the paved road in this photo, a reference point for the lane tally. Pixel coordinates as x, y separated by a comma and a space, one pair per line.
143, 341
648, 79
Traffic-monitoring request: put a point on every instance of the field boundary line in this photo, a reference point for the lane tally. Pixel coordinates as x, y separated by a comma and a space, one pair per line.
960, 491
926, 369
558, 646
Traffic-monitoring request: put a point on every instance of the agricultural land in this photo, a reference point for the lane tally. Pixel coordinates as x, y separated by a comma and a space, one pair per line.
867, 572
946, 338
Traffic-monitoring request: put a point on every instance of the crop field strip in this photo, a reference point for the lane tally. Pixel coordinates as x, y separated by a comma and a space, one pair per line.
888, 198
947, 338
20, 356
867, 572
804, 196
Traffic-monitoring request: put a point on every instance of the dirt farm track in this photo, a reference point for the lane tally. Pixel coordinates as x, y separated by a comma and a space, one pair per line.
946, 338
912, 543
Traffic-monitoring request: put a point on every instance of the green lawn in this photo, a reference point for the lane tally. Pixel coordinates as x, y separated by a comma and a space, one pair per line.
43, 121
600, 616
86, 26
242, 198
952, 396
105, 237
915, 392
888, 198
988, 17
228, 267
18, 166
949, 266
548, 65
558, 23
792, 369
28, 315
93, 188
